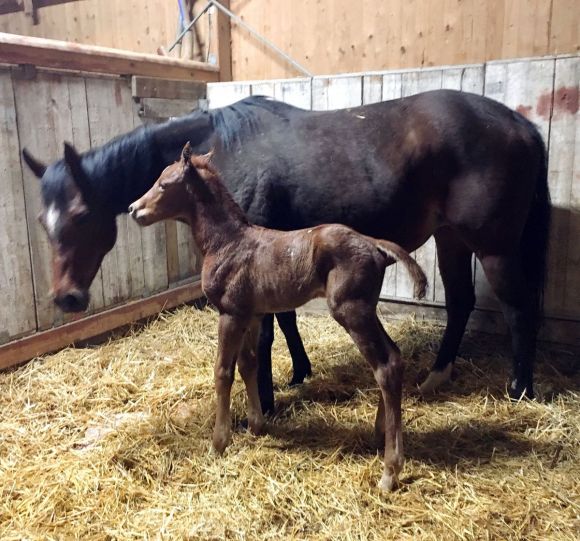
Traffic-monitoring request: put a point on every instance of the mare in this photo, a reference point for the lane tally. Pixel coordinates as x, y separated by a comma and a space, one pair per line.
249, 271
458, 166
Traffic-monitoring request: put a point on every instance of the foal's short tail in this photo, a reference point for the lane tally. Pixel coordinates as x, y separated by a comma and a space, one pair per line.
392, 250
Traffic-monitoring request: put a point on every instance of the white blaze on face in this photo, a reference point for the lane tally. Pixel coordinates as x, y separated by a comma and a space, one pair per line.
51, 219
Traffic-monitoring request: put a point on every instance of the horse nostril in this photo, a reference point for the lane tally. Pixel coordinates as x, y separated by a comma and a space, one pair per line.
76, 301
131, 209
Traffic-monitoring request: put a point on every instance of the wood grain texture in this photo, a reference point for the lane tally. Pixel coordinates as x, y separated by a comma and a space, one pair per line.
17, 317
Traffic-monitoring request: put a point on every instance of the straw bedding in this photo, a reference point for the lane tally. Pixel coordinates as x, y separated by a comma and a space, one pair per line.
113, 442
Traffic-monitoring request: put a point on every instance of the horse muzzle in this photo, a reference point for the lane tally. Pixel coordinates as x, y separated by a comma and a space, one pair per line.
73, 301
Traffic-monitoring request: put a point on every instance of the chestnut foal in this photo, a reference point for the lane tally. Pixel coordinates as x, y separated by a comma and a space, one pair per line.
249, 271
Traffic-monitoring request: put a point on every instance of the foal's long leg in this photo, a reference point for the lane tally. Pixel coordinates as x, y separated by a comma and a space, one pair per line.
454, 259
230, 334
509, 283
360, 321
301, 367
265, 383
248, 368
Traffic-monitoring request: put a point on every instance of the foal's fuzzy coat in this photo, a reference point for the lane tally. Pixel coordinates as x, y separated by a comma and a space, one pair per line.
249, 271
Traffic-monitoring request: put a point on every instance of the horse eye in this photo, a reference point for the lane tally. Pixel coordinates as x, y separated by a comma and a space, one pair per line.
162, 187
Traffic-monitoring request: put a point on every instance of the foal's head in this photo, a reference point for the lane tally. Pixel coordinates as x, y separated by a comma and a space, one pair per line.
170, 196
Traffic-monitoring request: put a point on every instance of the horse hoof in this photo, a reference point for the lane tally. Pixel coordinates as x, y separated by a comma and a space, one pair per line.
518, 392
435, 379
298, 379
268, 407
388, 482
256, 425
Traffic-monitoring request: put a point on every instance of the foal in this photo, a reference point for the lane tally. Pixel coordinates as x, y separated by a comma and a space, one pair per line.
249, 271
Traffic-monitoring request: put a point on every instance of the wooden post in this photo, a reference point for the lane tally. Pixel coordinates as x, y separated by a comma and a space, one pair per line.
224, 43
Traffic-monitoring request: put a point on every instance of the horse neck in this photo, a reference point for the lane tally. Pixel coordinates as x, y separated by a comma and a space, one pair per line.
215, 218
124, 169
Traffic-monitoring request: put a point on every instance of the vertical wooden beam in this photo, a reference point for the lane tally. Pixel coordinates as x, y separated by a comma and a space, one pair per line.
224, 43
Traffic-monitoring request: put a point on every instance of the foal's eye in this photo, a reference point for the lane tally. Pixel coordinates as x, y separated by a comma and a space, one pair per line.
161, 187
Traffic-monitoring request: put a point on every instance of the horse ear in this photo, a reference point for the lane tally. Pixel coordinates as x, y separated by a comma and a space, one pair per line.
73, 161
206, 158
186, 153
36, 167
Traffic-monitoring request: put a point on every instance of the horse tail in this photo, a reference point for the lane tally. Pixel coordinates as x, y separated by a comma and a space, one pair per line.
394, 251
534, 243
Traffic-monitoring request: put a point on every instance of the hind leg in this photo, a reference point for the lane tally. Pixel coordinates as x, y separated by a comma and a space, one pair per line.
265, 383
507, 279
301, 367
248, 369
359, 319
455, 267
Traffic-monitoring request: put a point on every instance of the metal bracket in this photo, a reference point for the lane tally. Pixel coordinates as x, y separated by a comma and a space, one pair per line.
243, 24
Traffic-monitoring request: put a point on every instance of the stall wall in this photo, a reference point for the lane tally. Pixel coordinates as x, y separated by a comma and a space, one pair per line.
338, 36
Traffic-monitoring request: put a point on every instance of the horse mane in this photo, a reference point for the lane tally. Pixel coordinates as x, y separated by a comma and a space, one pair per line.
238, 120
129, 163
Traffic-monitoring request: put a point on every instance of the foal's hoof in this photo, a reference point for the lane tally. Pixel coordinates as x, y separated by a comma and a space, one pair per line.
220, 442
389, 482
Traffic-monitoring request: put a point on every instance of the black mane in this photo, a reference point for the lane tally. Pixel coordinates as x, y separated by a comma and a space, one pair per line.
125, 167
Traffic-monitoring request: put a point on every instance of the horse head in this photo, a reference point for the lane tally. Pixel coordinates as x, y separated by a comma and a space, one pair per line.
80, 227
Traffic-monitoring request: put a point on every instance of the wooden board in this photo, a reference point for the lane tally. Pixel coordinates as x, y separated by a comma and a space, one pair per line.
336, 92
563, 291
153, 87
220, 95
18, 315
73, 56
40, 343
55, 106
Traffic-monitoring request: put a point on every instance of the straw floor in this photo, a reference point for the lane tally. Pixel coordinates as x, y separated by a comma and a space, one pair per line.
113, 442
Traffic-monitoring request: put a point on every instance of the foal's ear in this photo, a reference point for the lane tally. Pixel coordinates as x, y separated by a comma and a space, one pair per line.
186, 153
73, 161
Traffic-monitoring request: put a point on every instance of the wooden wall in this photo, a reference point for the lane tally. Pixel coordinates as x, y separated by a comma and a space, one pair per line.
39, 113
546, 91
337, 36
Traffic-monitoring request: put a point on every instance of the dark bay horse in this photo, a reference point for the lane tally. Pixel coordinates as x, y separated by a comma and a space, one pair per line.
458, 166
249, 271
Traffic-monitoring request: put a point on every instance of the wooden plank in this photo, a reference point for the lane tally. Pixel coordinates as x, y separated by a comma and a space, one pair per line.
50, 109
563, 291
110, 108
413, 83
220, 95
336, 92
262, 88
14, 6
297, 92
153, 87
224, 33
164, 109
525, 86
74, 56
41, 343
16, 288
